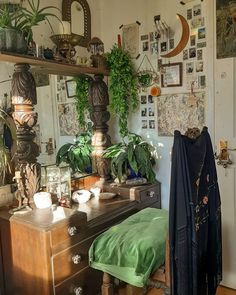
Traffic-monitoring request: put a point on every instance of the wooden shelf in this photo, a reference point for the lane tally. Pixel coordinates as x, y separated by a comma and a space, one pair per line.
50, 66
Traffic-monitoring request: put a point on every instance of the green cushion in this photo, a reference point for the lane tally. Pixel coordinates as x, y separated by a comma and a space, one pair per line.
132, 250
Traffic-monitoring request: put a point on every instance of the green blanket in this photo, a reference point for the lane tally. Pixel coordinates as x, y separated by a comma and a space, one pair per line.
132, 250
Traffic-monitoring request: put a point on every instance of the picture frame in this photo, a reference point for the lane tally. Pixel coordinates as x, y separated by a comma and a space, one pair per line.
172, 75
70, 88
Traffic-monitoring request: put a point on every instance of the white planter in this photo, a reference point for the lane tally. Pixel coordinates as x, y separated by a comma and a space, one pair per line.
6, 197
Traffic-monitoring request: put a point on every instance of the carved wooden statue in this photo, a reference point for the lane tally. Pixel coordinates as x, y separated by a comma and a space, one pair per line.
99, 100
23, 100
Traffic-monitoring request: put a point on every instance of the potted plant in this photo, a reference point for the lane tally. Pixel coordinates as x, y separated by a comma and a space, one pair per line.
77, 154
16, 24
123, 86
133, 153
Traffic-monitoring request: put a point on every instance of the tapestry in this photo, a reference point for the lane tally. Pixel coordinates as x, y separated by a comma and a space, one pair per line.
180, 112
68, 121
225, 28
130, 36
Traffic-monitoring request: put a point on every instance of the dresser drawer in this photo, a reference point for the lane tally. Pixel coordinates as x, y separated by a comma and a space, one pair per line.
86, 282
68, 229
71, 260
145, 193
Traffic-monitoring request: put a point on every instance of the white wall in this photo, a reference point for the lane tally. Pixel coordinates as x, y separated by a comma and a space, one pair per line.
115, 13
107, 16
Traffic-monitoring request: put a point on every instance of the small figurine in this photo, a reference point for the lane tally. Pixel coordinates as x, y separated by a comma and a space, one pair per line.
20, 195
223, 157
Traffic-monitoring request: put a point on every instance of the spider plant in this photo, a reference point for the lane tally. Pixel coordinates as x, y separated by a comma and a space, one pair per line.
22, 18
32, 16
5, 17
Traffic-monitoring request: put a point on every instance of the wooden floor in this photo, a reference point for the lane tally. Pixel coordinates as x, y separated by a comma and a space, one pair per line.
225, 291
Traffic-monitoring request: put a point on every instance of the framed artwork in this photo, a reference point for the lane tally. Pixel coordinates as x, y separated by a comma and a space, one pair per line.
172, 74
70, 88
174, 112
225, 28
131, 39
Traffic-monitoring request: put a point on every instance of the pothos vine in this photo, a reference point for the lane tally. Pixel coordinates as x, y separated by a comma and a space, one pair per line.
81, 98
123, 86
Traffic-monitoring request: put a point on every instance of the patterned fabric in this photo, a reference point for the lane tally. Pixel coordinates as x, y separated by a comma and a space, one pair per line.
195, 217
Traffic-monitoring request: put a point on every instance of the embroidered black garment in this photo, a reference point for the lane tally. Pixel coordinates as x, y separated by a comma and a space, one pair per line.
195, 217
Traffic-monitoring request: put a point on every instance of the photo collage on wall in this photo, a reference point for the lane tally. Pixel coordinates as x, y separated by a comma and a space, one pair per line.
67, 115
147, 112
149, 44
193, 56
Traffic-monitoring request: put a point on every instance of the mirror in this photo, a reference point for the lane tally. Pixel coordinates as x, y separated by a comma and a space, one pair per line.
77, 12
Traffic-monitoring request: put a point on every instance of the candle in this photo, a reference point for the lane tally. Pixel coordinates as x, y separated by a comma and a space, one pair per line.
65, 28
118, 40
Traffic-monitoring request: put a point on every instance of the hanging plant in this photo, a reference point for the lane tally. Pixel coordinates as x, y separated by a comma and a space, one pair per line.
148, 76
123, 86
81, 98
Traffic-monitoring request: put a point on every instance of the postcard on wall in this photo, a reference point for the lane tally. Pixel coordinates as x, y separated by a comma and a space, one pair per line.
145, 46
130, 35
144, 124
192, 82
189, 68
192, 52
189, 14
185, 54
197, 10
174, 113
197, 22
199, 66
143, 99
199, 54
201, 34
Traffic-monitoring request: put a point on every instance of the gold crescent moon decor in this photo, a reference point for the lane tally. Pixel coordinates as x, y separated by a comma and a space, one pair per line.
183, 41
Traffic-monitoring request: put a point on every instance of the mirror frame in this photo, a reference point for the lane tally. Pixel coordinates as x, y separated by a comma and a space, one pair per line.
66, 16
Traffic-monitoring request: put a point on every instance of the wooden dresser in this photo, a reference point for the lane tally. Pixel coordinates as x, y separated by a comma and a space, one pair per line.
45, 252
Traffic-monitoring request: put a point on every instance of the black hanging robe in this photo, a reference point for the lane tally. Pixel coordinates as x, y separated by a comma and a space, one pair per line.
195, 217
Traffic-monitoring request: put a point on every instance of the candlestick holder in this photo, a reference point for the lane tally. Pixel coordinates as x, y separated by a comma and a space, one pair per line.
65, 46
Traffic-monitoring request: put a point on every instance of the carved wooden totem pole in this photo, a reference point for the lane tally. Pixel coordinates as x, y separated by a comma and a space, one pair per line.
99, 100
23, 99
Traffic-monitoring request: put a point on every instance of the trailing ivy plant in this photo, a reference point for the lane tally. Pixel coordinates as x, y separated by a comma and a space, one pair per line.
123, 86
81, 98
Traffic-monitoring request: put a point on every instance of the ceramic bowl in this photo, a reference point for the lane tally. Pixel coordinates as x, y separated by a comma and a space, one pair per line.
42, 200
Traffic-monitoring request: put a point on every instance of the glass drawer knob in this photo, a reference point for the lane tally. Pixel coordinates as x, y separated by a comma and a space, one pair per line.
151, 194
78, 291
76, 258
72, 230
